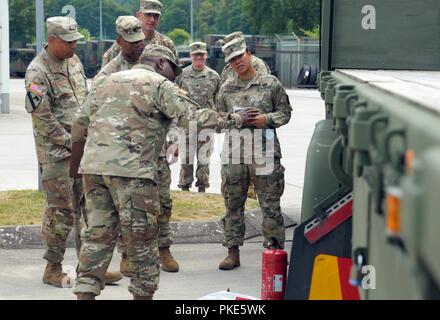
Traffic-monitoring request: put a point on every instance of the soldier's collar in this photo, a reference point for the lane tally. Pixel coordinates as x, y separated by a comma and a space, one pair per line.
197, 72
254, 81
153, 37
144, 66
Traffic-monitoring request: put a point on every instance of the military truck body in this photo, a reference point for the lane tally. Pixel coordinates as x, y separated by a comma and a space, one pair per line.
380, 141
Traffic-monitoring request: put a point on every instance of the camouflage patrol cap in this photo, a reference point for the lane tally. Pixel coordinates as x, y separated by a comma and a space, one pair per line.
65, 28
151, 6
234, 48
129, 28
234, 35
156, 50
197, 47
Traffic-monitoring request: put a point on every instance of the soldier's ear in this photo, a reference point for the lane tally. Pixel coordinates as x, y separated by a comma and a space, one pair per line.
51, 38
160, 63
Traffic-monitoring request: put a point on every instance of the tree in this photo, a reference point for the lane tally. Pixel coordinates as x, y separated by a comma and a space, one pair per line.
179, 36
21, 22
211, 16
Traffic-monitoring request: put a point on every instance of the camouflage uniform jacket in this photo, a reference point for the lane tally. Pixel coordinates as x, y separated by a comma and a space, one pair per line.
202, 87
259, 65
55, 92
158, 38
265, 93
127, 115
120, 64
116, 65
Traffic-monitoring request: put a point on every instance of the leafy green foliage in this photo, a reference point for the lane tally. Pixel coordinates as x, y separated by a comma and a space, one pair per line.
179, 36
210, 16
313, 34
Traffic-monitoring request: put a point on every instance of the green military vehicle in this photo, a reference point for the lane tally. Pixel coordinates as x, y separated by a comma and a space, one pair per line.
89, 52
370, 216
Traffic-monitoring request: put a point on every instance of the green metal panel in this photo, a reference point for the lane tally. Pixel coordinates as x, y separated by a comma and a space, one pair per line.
319, 183
381, 126
381, 34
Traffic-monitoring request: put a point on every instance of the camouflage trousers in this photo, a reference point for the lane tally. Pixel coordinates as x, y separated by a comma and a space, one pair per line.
269, 188
119, 205
166, 207
203, 155
64, 206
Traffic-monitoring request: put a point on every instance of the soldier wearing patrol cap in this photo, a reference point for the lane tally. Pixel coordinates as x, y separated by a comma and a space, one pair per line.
167, 261
259, 65
265, 93
202, 84
125, 118
131, 41
56, 87
149, 14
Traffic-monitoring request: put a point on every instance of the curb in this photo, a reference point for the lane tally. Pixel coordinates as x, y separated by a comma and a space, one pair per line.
29, 237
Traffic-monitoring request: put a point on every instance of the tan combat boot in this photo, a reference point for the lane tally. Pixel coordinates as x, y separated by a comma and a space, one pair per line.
232, 261
125, 267
147, 297
112, 277
85, 296
168, 264
54, 276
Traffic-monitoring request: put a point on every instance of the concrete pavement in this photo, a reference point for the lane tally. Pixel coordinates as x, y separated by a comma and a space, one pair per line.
21, 272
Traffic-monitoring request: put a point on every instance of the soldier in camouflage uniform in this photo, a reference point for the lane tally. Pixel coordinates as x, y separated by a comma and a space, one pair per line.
56, 87
125, 118
265, 93
259, 65
131, 41
202, 84
127, 28
228, 72
149, 15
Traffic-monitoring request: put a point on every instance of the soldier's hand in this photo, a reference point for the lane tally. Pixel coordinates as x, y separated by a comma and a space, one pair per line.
248, 115
260, 121
172, 154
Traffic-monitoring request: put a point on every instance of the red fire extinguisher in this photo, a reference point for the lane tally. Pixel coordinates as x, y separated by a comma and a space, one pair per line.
274, 273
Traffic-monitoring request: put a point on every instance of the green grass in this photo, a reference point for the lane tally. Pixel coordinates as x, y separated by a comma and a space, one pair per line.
26, 207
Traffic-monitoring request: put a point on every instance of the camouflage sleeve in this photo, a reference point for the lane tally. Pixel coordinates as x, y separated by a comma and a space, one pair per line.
217, 90
86, 111
225, 73
178, 81
174, 131
282, 108
110, 54
105, 70
221, 102
83, 73
38, 103
174, 103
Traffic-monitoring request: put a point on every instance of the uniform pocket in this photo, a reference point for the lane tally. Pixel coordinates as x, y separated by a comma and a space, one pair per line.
144, 217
